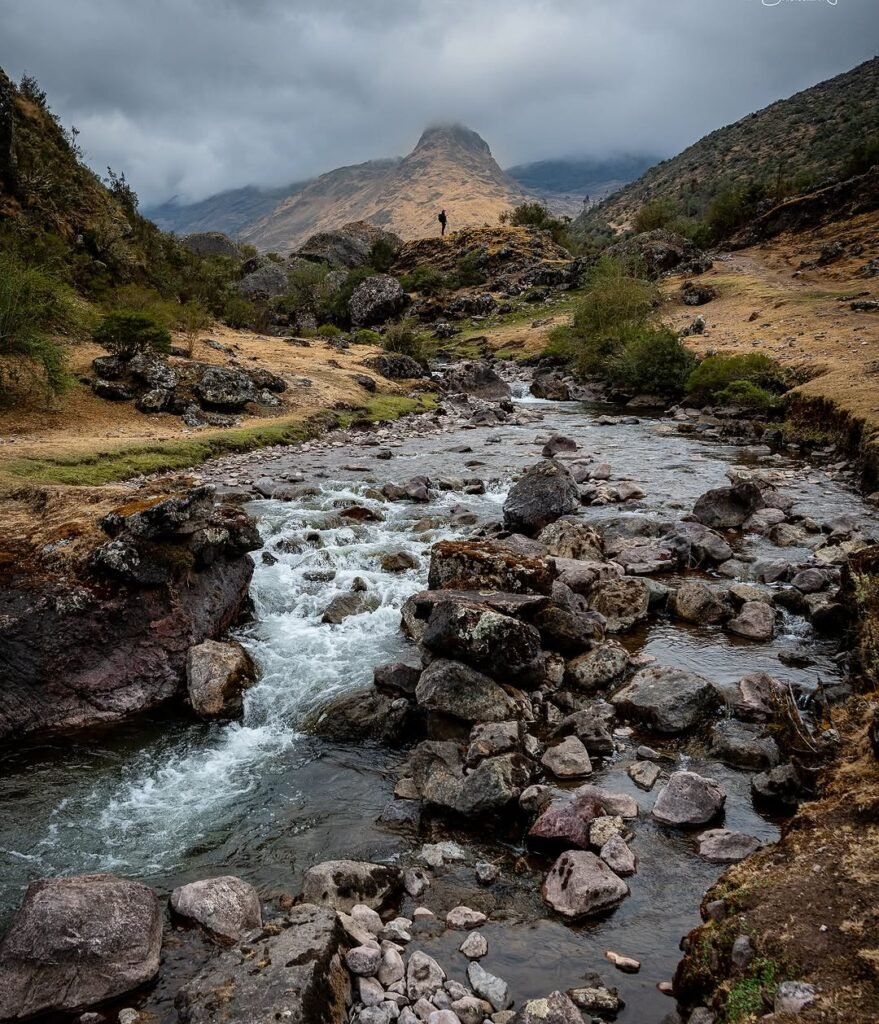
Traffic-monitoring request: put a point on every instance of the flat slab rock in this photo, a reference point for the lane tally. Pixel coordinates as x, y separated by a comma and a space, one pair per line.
581, 884
296, 976
721, 846
669, 700
77, 941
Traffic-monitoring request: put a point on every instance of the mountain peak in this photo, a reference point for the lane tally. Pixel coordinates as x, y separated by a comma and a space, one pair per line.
452, 133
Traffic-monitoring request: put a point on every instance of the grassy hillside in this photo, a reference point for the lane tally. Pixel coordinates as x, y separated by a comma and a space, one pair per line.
823, 132
229, 211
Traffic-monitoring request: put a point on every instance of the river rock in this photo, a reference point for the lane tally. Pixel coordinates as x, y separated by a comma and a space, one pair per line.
669, 700
486, 640
590, 729
618, 857
603, 828
688, 799
556, 1008
492, 738
597, 668
424, 976
476, 378
644, 774
695, 601
721, 846
779, 788
344, 605
487, 565
596, 997
580, 885
396, 678
363, 961
572, 538
343, 883
464, 918
474, 947
217, 674
565, 822
694, 545
568, 759
623, 602
726, 508
809, 581
743, 745
438, 772
569, 630
756, 697
78, 941
458, 690
370, 992
471, 1009
488, 986
544, 493
755, 621
227, 907
391, 970
296, 975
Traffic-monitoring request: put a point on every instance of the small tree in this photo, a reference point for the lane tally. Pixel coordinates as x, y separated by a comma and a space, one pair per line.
126, 334
193, 319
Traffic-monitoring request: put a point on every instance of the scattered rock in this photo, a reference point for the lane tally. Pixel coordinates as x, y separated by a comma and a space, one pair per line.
580, 884
227, 907
544, 493
475, 946
688, 799
755, 621
568, 759
464, 919
488, 986
720, 846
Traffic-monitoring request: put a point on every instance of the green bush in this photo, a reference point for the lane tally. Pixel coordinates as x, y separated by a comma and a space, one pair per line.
335, 308
652, 361
34, 306
536, 215
715, 373
425, 281
749, 396
238, 312
329, 331
732, 208
366, 337
616, 308
402, 339
125, 333
308, 290
468, 272
382, 254
658, 213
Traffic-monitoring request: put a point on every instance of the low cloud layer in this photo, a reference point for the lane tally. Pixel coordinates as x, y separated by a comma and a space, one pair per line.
189, 97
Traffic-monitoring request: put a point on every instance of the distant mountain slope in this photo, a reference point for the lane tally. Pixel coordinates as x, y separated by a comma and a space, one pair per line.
796, 142
451, 168
581, 176
229, 211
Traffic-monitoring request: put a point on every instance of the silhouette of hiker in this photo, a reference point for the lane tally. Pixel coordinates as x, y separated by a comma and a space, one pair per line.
442, 218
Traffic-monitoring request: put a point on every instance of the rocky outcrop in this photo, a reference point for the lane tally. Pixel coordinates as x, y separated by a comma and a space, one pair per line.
295, 975
376, 300
212, 243
660, 252
112, 637
395, 366
477, 379
78, 941
347, 247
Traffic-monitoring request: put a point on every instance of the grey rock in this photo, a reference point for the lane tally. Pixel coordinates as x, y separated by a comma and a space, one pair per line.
669, 700
227, 907
78, 941
755, 621
460, 691
376, 300
721, 846
572, 538
595, 669
488, 986
363, 960
695, 601
727, 508
644, 774
743, 745
544, 493
475, 946
688, 799
623, 602
618, 857
424, 977
343, 883
217, 675
568, 759
556, 1008
580, 884
794, 996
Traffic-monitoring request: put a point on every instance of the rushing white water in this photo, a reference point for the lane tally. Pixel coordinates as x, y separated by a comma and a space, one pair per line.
146, 814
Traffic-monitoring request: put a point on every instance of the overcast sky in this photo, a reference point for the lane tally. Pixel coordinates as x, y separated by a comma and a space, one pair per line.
190, 97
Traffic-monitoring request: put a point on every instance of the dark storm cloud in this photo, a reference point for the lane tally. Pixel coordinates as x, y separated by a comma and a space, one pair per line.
193, 96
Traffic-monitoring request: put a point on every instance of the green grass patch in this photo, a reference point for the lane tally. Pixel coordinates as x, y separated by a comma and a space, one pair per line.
747, 996
110, 465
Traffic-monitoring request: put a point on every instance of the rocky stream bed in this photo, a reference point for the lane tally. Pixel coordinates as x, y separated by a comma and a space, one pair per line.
582, 709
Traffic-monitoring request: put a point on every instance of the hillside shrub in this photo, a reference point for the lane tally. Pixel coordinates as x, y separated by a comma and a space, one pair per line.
329, 331
732, 208
425, 280
33, 307
536, 215
658, 213
382, 255
125, 332
716, 373
335, 308
366, 337
238, 312
748, 395
468, 271
402, 339
652, 360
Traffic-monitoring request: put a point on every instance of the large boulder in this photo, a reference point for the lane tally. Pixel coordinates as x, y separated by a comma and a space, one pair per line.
744, 745
211, 243
476, 378
217, 674
544, 493
487, 565
223, 387
78, 941
375, 300
266, 282
572, 538
346, 247
695, 545
395, 366
581, 885
689, 799
669, 700
295, 975
727, 508
437, 769
454, 689
485, 639
624, 601
660, 251
695, 601
227, 907
755, 621
343, 883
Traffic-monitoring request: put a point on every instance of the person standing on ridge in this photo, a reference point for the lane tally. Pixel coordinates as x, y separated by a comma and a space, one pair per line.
442, 218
